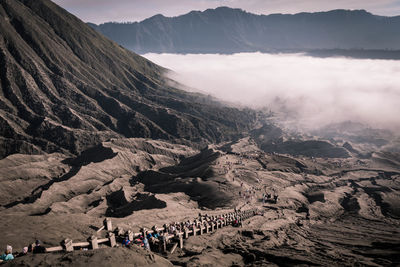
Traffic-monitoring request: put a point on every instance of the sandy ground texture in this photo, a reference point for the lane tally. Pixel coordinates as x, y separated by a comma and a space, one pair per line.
330, 212
102, 257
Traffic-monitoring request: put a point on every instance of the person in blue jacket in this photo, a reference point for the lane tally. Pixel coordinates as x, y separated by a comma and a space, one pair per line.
126, 242
8, 254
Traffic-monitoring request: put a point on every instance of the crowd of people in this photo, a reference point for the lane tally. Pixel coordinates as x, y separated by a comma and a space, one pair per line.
269, 198
149, 241
155, 240
248, 194
32, 248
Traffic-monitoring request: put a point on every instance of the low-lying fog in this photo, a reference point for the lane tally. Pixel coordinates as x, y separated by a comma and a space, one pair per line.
312, 91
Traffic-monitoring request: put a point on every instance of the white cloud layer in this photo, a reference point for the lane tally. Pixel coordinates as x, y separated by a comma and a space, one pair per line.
311, 91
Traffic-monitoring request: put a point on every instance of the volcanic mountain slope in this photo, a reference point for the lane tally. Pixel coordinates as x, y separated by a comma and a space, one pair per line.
227, 30
64, 88
55, 182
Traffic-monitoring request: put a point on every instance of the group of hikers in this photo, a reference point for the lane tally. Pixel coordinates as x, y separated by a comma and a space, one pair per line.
269, 198
32, 248
155, 240
229, 165
248, 194
147, 241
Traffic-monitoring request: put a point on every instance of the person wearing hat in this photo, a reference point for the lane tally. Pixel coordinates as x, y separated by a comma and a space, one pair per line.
8, 254
38, 248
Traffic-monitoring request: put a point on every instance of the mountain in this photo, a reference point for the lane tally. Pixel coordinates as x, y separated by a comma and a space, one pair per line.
227, 30
64, 88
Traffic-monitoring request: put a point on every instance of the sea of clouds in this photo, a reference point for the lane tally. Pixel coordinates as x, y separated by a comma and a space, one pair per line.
311, 91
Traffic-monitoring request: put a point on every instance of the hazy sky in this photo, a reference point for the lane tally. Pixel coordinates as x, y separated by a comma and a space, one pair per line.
311, 91
99, 11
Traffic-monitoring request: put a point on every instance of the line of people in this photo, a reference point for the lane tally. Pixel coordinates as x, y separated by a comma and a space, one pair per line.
142, 241
156, 240
32, 248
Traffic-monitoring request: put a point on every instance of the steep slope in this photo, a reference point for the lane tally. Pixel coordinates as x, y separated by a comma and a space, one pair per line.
226, 30
64, 87
55, 183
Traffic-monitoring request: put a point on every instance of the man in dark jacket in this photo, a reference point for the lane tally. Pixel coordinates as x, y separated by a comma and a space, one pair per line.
38, 248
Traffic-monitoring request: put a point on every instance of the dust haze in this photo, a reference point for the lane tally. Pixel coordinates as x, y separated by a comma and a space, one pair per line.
309, 91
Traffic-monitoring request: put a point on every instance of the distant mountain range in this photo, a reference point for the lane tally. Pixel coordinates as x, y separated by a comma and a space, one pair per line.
64, 88
227, 30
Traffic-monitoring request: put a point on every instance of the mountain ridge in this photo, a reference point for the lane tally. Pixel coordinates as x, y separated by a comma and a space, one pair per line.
159, 15
227, 30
